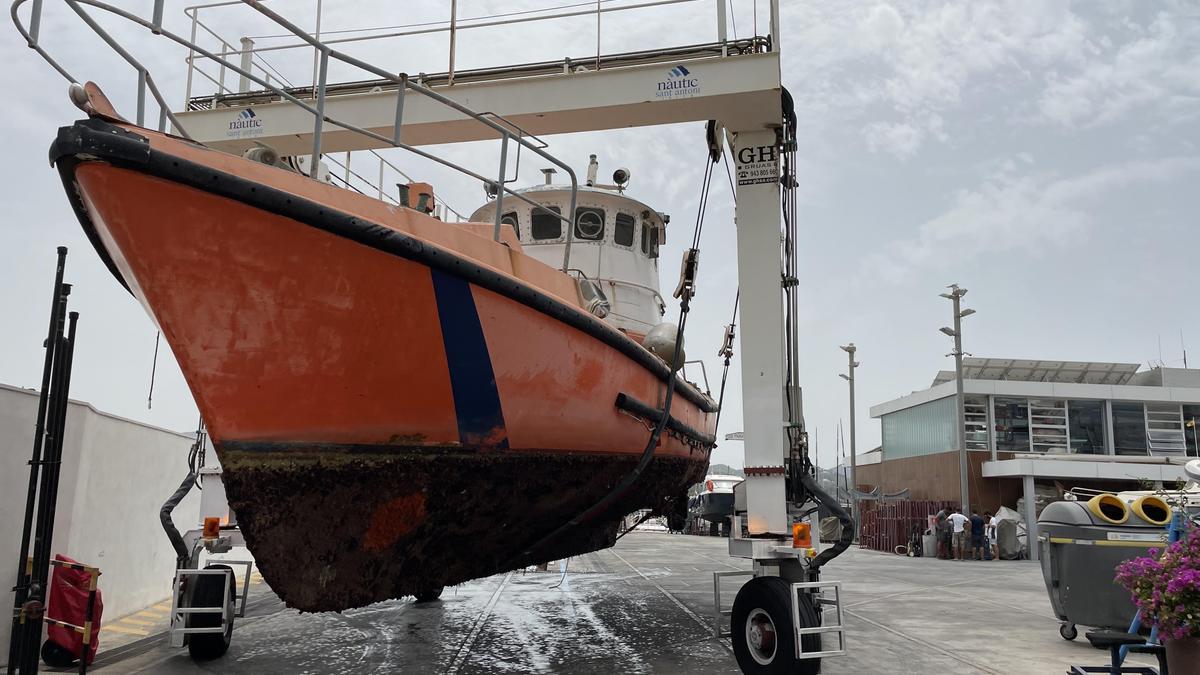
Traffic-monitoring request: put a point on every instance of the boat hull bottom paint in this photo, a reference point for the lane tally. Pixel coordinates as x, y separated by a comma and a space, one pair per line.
334, 528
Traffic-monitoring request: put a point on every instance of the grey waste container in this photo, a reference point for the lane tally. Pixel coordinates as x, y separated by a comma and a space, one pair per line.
1081, 544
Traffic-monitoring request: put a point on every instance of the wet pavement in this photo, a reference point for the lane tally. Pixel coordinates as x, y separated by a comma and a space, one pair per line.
645, 606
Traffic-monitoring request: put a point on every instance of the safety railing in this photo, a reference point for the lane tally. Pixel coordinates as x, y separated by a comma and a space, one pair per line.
725, 13
316, 107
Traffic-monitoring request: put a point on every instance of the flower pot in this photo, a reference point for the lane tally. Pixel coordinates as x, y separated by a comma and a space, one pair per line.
1183, 656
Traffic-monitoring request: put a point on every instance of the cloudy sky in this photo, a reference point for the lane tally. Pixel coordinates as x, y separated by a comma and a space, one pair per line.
1044, 154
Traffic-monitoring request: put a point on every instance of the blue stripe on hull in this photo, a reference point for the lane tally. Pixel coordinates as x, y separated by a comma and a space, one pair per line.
476, 399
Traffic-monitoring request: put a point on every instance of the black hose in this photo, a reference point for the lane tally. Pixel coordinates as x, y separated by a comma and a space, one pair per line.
848, 524
183, 556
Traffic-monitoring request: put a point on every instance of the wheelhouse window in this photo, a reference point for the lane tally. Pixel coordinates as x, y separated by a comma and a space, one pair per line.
649, 239
510, 218
545, 223
623, 232
589, 224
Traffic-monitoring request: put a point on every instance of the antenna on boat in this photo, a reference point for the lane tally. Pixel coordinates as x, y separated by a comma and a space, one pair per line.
593, 168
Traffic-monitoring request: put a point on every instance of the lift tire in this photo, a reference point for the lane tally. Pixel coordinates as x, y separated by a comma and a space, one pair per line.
56, 656
429, 595
1068, 631
208, 592
772, 651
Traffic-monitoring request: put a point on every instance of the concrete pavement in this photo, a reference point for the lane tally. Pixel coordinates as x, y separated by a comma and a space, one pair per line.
644, 607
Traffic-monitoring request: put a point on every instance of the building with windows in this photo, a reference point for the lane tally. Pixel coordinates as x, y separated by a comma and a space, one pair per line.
1034, 425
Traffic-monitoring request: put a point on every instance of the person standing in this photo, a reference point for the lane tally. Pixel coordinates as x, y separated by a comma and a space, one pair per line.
992, 532
977, 538
942, 531
959, 535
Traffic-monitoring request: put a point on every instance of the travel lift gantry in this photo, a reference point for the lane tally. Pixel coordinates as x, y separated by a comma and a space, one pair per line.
205, 601
778, 616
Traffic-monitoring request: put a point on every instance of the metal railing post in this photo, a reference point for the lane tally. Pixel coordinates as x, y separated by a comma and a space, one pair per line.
35, 22
317, 35
379, 185
775, 33
191, 61
322, 72
400, 108
453, 38
570, 227
597, 34
141, 98
500, 185
721, 30
246, 63
221, 71
156, 21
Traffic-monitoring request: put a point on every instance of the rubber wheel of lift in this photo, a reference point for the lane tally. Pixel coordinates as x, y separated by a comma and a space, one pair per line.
429, 595
1068, 631
208, 592
56, 656
764, 639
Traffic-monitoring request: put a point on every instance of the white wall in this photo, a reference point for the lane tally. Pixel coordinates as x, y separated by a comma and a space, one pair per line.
116, 474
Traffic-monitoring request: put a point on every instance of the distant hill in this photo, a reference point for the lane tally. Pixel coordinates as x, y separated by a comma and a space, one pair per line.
721, 469
725, 470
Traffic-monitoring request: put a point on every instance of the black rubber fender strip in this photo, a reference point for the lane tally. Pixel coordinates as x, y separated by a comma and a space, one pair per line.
632, 405
94, 139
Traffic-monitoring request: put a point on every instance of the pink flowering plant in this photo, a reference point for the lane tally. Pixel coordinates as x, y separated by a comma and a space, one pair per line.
1166, 587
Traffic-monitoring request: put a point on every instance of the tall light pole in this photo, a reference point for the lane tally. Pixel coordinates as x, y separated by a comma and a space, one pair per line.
955, 296
850, 349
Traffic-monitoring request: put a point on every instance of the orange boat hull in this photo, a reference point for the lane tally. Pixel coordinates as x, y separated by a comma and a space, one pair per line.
398, 403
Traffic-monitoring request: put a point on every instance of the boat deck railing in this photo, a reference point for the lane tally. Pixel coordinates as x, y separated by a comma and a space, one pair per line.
316, 106
248, 64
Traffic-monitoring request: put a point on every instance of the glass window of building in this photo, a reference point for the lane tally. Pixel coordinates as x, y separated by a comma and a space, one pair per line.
545, 223
1012, 425
1048, 425
1087, 427
1191, 421
975, 422
589, 224
511, 219
623, 233
1129, 427
1165, 428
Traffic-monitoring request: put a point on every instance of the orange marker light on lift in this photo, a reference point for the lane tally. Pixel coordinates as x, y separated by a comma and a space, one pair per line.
801, 535
212, 528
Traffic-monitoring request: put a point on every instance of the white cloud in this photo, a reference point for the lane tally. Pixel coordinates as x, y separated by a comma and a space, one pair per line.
1160, 68
897, 138
1012, 211
897, 68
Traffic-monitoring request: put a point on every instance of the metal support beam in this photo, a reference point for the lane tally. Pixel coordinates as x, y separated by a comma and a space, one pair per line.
764, 414
1031, 527
1110, 446
991, 425
741, 91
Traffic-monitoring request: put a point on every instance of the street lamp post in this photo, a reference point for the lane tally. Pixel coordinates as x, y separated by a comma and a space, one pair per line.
850, 349
955, 296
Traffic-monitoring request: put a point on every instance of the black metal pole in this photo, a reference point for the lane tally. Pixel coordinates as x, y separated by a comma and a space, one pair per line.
48, 494
22, 586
